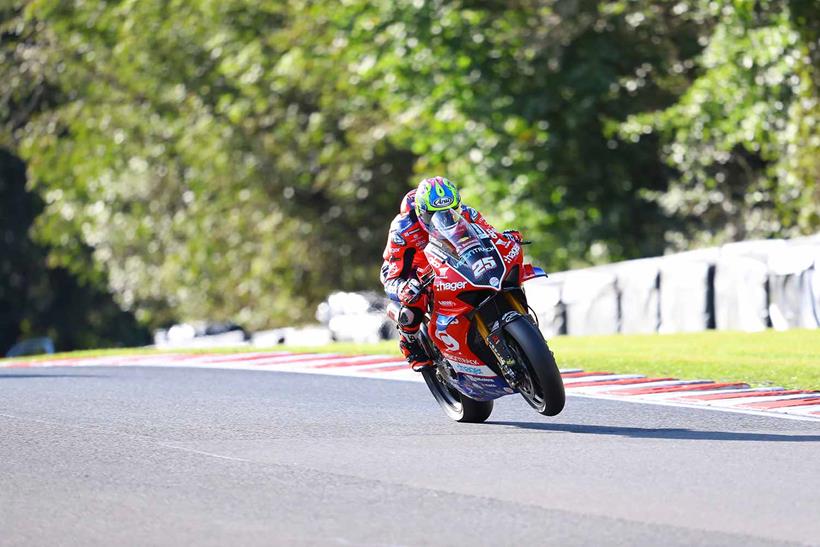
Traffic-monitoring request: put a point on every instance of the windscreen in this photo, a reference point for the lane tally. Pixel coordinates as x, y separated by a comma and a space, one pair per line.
467, 248
454, 232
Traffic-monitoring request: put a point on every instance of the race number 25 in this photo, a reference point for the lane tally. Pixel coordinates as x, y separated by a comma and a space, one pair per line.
483, 265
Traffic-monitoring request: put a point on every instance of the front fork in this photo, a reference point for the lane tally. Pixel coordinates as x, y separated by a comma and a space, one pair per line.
510, 368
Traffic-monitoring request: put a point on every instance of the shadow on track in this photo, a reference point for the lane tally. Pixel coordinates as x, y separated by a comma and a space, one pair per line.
646, 433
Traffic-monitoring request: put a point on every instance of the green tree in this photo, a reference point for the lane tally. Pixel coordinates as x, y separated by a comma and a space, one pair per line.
516, 102
743, 137
241, 159
36, 298
214, 168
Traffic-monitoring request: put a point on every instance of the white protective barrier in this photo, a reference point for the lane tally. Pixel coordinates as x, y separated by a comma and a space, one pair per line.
741, 299
794, 295
544, 297
686, 291
741, 285
591, 301
745, 286
639, 286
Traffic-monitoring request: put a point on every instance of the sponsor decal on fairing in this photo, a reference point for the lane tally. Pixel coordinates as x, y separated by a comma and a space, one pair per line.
450, 343
467, 369
473, 370
448, 286
513, 254
483, 265
463, 360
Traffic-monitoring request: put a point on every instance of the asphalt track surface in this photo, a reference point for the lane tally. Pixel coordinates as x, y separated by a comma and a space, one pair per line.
165, 456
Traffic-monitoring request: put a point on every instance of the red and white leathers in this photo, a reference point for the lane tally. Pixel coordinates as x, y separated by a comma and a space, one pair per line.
404, 259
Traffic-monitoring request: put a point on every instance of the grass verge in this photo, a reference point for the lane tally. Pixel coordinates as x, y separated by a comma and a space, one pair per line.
790, 359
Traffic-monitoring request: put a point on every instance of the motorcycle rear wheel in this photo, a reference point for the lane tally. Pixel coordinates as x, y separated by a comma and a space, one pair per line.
456, 405
547, 395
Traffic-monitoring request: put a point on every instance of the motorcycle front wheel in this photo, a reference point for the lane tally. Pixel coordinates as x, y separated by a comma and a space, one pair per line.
455, 404
545, 392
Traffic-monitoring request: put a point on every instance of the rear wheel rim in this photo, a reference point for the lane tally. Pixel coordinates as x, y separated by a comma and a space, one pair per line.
446, 394
449, 395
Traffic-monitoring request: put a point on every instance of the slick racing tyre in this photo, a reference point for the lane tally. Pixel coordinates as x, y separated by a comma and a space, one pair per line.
456, 405
545, 392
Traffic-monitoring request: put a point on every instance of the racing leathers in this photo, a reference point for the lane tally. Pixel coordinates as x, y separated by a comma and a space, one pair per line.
404, 259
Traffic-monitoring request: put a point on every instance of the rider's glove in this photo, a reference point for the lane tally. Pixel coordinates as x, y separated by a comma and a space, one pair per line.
514, 235
410, 291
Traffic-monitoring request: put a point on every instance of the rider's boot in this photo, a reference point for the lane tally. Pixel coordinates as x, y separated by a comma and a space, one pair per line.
413, 351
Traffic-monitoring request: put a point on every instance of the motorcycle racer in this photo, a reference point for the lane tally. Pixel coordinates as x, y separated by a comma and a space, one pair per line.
404, 257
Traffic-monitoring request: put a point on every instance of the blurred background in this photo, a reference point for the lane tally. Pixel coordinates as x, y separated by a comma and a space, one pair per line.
235, 162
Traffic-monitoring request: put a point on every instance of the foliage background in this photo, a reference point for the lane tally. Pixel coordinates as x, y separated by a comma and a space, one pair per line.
192, 159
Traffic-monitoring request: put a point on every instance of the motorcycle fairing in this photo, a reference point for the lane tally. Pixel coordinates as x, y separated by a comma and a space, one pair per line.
460, 262
472, 377
466, 248
482, 266
449, 333
449, 329
443, 321
482, 388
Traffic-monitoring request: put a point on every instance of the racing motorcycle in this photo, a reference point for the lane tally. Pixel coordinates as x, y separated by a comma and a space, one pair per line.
479, 332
